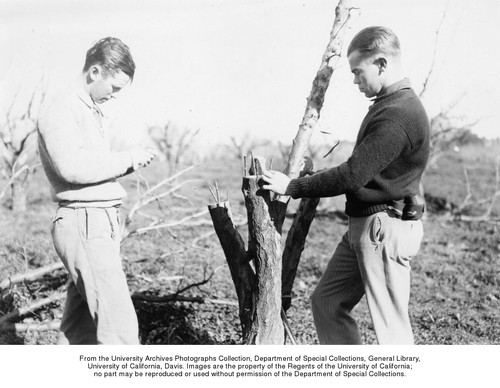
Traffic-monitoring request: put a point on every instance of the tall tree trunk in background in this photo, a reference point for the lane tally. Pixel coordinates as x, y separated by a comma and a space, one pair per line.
260, 291
18, 189
18, 196
18, 144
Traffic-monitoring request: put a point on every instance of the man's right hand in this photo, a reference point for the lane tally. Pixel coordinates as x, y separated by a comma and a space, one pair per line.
275, 181
141, 157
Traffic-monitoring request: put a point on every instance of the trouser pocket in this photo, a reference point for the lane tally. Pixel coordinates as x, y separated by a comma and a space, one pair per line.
60, 214
100, 223
410, 238
396, 237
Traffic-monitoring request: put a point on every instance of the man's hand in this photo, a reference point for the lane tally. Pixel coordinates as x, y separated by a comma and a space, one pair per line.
276, 181
141, 157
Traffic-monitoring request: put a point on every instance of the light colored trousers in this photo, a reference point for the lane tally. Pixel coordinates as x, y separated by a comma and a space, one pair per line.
373, 258
98, 307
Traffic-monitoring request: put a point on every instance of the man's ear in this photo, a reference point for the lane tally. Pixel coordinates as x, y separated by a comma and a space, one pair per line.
94, 72
381, 63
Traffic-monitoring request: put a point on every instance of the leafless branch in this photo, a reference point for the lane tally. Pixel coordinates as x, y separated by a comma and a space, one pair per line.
19, 128
173, 143
180, 298
25, 169
34, 306
10, 109
331, 149
25, 327
155, 226
177, 297
434, 54
241, 146
144, 201
197, 284
30, 276
151, 195
166, 298
490, 201
169, 179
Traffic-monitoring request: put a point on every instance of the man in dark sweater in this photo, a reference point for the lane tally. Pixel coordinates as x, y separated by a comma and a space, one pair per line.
381, 183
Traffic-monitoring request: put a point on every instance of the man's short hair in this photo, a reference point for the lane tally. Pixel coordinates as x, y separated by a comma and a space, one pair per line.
113, 55
375, 40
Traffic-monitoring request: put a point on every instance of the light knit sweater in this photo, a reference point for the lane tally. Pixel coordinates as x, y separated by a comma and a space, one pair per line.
76, 155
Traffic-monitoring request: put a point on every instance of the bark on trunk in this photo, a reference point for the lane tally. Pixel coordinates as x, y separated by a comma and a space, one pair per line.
265, 247
294, 245
238, 261
317, 95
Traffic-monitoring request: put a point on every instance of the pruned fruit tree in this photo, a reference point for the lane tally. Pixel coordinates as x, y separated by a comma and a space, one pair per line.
263, 272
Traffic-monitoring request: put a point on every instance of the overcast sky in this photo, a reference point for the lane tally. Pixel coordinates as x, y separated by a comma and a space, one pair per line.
245, 68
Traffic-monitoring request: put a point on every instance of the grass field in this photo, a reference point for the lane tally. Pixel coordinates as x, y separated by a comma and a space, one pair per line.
455, 284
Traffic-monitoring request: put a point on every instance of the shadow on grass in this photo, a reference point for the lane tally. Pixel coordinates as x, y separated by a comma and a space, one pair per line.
169, 324
9, 338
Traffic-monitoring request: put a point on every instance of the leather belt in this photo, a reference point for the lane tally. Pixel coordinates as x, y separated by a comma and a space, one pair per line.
407, 209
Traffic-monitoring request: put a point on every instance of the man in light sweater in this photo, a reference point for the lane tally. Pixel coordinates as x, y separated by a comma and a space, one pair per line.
82, 171
381, 183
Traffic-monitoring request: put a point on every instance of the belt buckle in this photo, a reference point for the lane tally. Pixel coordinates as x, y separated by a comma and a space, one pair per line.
396, 208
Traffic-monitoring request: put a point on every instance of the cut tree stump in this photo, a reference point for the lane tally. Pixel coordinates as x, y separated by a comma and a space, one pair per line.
265, 247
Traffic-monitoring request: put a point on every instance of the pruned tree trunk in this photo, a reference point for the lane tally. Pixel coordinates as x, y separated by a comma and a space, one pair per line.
265, 247
294, 246
265, 298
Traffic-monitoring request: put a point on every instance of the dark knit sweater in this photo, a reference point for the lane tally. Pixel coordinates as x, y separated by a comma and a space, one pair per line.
389, 157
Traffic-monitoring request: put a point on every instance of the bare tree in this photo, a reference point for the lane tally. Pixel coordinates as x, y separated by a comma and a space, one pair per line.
447, 128
244, 144
469, 201
173, 143
18, 144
